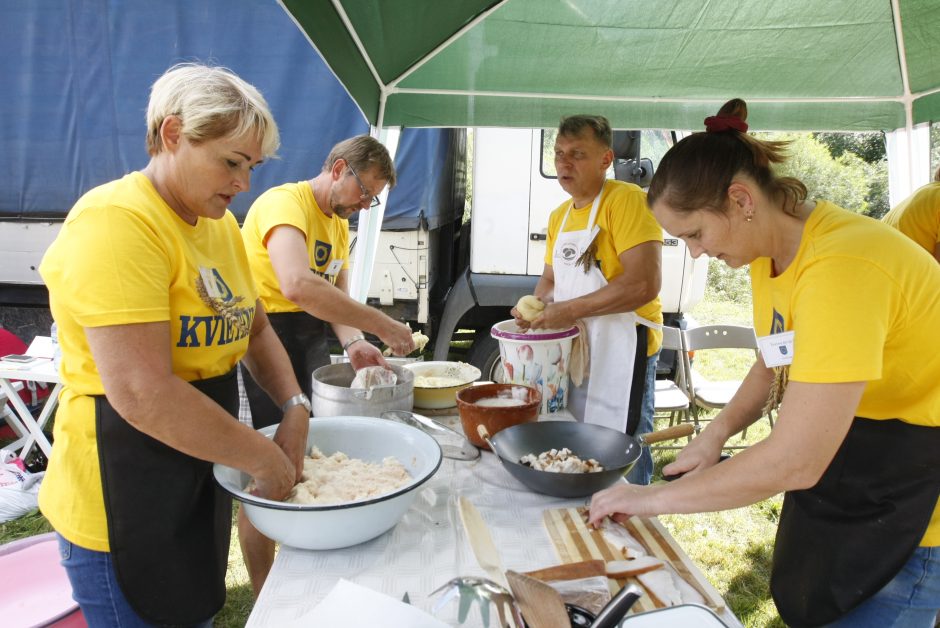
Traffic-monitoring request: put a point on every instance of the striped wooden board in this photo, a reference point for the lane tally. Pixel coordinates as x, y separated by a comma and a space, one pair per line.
575, 541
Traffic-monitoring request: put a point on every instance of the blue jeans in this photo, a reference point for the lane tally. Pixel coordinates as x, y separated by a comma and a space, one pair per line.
642, 471
96, 589
911, 600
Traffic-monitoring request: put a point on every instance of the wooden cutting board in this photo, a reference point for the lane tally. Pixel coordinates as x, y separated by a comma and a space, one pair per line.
575, 541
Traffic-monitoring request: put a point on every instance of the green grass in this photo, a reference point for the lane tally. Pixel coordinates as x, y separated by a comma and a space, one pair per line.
733, 548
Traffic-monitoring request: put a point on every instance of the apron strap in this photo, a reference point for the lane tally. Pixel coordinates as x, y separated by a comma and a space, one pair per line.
592, 219
648, 323
638, 385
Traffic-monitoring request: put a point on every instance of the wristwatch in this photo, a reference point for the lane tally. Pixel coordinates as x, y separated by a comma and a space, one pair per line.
296, 400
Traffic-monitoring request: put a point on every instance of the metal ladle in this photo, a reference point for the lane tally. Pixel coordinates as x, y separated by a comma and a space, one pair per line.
470, 589
453, 444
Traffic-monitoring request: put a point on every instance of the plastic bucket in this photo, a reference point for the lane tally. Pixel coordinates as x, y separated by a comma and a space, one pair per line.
537, 358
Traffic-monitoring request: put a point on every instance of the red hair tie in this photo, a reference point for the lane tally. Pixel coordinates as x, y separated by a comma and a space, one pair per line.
724, 122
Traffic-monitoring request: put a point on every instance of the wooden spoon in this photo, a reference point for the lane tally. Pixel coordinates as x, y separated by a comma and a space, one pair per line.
541, 605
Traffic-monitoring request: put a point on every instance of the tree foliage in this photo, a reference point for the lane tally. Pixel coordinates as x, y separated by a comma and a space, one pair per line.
871, 149
868, 146
934, 148
727, 284
843, 180
846, 179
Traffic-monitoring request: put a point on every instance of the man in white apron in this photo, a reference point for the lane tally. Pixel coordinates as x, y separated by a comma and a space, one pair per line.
602, 266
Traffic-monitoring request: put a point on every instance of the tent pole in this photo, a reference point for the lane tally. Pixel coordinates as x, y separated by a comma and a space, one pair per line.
370, 226
908, 148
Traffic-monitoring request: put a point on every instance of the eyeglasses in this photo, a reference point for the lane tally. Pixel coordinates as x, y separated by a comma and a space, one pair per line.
365, 192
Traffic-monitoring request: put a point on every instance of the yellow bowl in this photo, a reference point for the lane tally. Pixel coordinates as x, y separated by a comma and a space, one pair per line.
433, 395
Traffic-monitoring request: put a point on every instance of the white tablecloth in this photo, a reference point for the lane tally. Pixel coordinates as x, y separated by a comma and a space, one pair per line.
426, 549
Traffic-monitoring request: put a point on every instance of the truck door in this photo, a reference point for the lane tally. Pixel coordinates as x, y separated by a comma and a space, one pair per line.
499, 229
545, 195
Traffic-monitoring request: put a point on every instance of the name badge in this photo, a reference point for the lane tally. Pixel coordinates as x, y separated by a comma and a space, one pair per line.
776, 349
334, 267
208, 280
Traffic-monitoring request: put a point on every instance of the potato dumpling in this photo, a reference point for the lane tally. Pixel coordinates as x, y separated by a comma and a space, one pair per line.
529, 307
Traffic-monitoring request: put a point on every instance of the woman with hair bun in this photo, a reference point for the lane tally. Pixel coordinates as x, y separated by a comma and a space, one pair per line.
847, 311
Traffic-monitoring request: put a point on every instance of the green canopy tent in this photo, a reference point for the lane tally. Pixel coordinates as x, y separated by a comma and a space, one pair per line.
848, 65
839, 65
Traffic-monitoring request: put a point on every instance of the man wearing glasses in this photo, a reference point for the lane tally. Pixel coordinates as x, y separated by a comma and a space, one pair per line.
297, 239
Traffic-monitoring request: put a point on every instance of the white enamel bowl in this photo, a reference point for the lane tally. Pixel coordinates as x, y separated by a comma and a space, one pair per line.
319, 527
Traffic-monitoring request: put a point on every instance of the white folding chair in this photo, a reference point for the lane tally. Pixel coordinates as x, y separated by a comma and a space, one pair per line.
708, 394
12, 420
671, 396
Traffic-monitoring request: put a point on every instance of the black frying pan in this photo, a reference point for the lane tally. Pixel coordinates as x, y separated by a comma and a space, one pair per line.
616, 451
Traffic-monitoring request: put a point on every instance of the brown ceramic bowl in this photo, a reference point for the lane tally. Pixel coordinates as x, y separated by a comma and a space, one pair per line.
475, 405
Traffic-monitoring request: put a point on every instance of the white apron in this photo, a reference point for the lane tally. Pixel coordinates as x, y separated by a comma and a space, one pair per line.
603, 397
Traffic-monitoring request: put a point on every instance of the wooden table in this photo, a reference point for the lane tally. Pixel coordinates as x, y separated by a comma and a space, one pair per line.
426, 549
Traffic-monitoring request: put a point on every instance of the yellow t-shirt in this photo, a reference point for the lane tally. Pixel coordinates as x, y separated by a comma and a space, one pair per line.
864, 305
918, 216
123, 257
625, 221
327, 238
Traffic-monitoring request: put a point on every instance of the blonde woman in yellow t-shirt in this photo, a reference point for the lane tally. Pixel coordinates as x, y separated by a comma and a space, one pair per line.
155, 306
847, 312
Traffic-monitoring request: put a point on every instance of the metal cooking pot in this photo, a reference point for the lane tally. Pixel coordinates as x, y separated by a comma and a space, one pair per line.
617, 452
332, 396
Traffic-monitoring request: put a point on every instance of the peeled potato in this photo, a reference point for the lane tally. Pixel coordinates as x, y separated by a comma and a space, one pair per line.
529, 307
419, 339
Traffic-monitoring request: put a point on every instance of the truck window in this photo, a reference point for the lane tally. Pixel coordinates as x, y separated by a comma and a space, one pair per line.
653, 145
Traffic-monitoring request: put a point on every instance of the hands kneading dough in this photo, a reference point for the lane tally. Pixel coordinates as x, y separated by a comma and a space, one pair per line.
530, 306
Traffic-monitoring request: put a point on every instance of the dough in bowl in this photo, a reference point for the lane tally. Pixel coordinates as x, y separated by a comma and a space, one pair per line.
337, 479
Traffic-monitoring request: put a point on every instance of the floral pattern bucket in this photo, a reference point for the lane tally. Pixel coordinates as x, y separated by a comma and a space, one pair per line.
537, 358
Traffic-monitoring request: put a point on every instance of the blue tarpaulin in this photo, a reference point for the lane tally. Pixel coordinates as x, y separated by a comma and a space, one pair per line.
76, 78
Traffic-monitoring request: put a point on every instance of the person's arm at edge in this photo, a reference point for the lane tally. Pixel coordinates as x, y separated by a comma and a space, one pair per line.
545, 288
269, 365
361, 352
811, 426
134, 364
318, 297
315, 295
343, 330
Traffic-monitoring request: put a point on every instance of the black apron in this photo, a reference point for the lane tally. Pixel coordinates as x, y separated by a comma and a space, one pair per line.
841, 541
169, 524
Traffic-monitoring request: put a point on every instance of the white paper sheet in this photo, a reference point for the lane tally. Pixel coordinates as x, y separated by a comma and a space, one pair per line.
41, 347
349, 604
